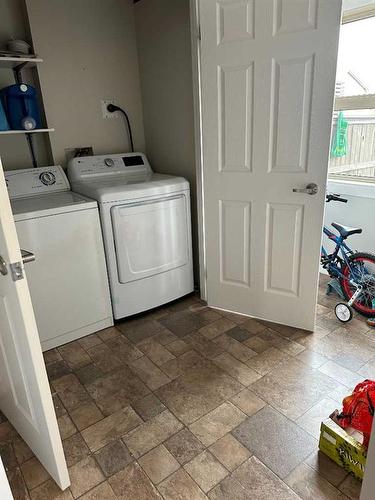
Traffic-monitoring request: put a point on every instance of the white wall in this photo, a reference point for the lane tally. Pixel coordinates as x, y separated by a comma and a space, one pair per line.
89, 52
358, 212
164, 51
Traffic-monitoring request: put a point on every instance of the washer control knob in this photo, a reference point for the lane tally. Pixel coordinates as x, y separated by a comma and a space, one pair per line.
109, 162
47, 178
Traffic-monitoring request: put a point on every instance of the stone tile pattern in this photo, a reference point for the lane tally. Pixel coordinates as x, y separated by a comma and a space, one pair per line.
193, 403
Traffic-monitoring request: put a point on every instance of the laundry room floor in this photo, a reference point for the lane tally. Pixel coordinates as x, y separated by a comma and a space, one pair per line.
189, 403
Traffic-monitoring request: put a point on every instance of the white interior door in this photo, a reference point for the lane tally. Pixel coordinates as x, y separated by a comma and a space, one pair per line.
25, 397
267, 86
5, 492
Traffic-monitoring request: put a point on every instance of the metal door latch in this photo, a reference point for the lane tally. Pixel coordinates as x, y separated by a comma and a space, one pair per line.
16, 270
3, 267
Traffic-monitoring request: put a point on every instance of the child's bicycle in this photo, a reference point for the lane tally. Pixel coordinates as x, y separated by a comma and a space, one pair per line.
354, 271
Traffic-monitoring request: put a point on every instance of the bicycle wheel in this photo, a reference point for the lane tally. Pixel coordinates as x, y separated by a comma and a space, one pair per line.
344, 313
362, 272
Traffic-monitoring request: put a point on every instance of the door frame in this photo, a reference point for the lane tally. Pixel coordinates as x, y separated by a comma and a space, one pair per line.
368, 483
195, 56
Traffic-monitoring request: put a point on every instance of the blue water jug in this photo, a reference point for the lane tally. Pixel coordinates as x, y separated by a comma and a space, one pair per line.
3, 118
20, 102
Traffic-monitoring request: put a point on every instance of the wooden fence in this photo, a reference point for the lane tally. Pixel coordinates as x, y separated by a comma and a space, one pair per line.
360, 157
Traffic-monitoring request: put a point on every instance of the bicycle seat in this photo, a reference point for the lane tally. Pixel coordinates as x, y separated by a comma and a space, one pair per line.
346, 231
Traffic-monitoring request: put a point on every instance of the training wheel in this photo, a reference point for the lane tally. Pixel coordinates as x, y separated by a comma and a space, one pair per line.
344, 313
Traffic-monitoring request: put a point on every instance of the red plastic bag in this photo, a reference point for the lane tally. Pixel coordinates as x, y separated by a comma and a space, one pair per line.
358, 409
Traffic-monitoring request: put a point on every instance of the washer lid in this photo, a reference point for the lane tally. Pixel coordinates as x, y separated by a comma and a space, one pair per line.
118, 188
50, 204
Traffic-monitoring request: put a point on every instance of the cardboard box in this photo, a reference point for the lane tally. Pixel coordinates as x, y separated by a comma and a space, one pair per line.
343, 448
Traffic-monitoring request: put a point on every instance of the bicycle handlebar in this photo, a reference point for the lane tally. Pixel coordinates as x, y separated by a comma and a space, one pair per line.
335, 197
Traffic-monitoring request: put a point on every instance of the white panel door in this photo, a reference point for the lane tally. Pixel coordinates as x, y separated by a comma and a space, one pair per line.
5, 492
25, 396
267, 87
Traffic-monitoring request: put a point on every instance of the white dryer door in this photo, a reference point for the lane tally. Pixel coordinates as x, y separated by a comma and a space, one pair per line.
150, 237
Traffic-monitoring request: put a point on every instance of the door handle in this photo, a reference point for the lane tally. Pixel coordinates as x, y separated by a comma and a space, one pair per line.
311, 188
27, 256
3, 267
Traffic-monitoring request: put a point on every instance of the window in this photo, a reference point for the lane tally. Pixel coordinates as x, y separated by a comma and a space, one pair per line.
352, 153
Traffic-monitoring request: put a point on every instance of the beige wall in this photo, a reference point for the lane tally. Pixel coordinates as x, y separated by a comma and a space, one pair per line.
12, 20
14, 151
89, 52
164, 52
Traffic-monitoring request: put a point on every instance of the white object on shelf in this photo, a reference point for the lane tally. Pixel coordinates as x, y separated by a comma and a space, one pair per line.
19, 46
12, 61
33, 131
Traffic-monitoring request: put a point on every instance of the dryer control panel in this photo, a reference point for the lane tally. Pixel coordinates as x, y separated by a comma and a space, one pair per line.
102, 166
36, 181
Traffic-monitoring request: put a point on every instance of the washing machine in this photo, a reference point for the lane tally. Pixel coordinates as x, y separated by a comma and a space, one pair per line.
60, 234
146, 227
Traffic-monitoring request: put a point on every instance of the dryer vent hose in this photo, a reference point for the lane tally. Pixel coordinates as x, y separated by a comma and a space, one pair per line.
112, 108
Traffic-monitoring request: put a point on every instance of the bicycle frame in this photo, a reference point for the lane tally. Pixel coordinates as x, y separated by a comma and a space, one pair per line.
344, 260
341, 247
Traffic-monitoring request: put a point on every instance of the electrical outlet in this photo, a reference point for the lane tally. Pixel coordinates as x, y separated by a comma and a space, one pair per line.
105, 112
82, 151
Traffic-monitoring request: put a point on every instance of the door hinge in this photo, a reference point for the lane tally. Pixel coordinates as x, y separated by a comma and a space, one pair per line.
199, 33
16, 270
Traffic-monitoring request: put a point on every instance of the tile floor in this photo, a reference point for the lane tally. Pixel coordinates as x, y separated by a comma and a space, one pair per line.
190, 403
